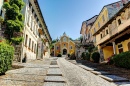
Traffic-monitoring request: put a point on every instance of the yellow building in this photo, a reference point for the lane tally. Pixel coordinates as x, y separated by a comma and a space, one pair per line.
113, 33
64, 46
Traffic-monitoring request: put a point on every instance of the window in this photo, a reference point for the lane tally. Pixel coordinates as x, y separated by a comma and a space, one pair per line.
32, 45
107, 31
119, 21
98, 24
57, 48
103, 18
64, 44
101, 35
26, 39
71, 47
1, 13
29, 43
32, 25
94, 30
35, 48
120, 48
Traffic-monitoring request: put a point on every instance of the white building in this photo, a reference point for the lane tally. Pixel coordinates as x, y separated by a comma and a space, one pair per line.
35, 33
35, 30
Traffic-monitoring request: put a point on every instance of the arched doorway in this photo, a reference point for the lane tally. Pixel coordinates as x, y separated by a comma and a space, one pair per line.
64, 51
129, 46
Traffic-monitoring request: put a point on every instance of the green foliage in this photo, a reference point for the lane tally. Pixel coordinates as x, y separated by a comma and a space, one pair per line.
1, 20
17, 40
68, 55
72, 56
122, 60
90, 49
83, 56
96, 57
6, 57
59, 55
88, 56
54, 41
14, 20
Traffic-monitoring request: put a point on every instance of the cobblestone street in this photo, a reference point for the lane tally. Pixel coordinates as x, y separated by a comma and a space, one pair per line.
52, 72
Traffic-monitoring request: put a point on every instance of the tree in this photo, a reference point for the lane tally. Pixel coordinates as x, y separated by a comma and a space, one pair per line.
14, 20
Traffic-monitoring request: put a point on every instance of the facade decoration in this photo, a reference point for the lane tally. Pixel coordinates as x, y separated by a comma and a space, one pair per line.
117, 32
64, 46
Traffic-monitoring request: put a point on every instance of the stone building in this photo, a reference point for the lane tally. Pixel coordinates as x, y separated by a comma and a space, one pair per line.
64, 46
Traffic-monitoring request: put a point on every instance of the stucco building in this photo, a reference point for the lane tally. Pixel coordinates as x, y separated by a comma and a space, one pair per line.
35, 33
64, 46
111, 29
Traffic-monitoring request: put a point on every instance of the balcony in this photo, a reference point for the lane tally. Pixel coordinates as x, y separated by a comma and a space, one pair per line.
123, 25
103, 39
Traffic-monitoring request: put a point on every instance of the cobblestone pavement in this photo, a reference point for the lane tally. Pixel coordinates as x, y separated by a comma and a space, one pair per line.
77, 76
32, 74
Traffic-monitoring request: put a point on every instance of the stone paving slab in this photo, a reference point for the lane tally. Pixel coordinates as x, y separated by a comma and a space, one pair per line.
54, 66
54, 79
100, 72
22, 77
54, 71
38, 71
87, 68
54, 84
19, 83
53, 63
123, 83
113, 78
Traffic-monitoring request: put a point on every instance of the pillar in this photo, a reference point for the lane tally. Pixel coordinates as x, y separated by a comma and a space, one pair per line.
114, 47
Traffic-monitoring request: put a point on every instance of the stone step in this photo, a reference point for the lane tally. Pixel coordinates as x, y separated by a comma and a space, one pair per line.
37, 71
54, 66
122, 83
53, 63
54, 84
19, 83
24, 77
113, 78
18, 79
100, 72
87, 68
54, 72
54, 79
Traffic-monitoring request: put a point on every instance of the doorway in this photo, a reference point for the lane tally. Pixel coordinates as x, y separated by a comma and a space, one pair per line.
64, 51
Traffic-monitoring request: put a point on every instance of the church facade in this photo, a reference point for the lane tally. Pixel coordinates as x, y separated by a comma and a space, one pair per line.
64, 46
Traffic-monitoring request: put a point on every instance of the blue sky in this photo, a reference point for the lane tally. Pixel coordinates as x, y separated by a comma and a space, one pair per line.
67, 15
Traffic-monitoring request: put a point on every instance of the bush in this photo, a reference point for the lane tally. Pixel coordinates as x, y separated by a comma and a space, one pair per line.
72, 57
88, 56
96, 57
59, 55
83, 56
6, 57
68, 55
122, 60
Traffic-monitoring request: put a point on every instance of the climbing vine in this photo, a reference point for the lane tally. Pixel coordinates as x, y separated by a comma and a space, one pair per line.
14, 20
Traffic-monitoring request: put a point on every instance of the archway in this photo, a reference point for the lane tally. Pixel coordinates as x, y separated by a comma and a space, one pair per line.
129, 46
64, 51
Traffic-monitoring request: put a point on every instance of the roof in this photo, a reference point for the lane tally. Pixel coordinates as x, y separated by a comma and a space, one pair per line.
117, 14
38, 7
89, 21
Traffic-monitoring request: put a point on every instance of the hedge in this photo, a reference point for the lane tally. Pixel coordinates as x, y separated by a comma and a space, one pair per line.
88, 56
96, 57
59, 55
122, 60
6, 57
